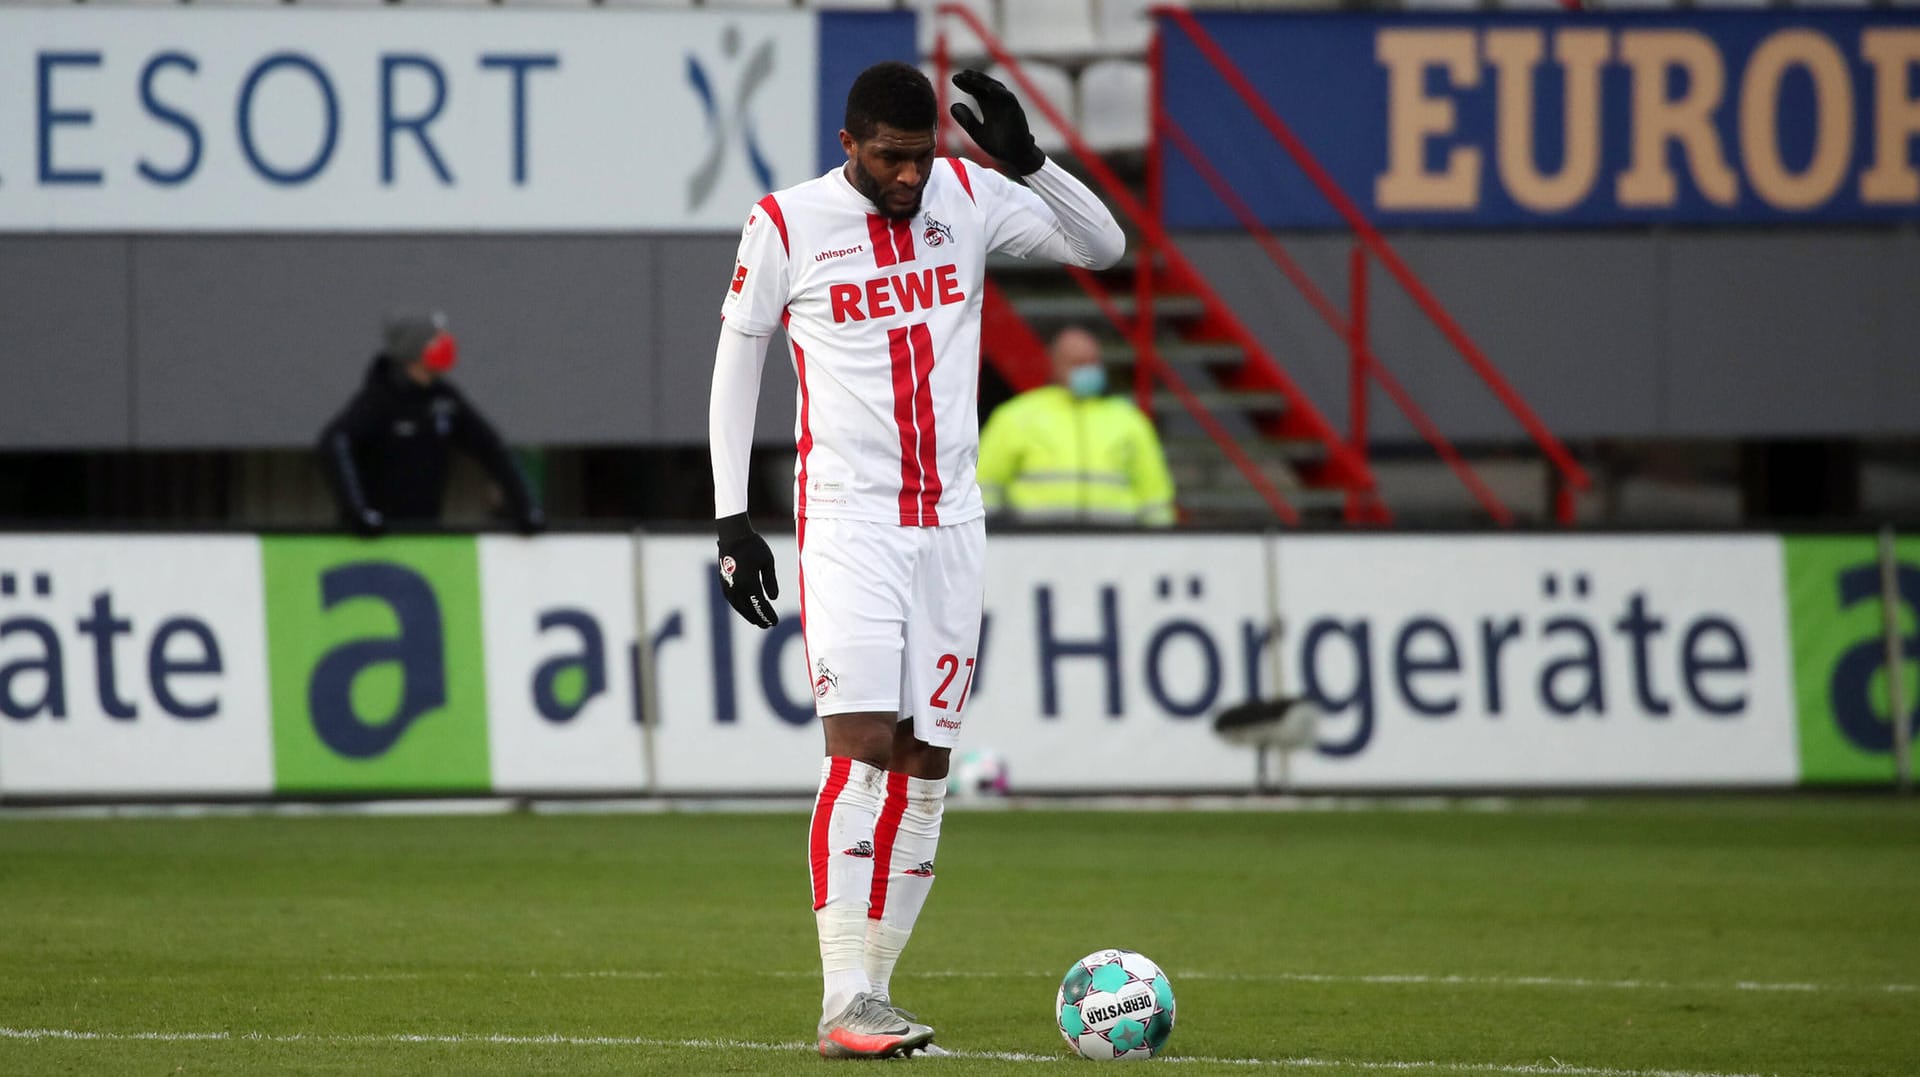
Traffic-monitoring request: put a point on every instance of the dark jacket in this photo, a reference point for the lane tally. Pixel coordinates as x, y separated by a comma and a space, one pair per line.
389, 448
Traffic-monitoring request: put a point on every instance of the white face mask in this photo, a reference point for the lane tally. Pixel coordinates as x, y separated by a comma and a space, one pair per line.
1087, 381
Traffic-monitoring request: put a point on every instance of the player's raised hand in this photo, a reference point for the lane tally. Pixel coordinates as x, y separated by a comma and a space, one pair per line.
1001, 128
746, 571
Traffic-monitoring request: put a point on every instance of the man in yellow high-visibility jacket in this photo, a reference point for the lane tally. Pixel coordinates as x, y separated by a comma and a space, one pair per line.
1068, 453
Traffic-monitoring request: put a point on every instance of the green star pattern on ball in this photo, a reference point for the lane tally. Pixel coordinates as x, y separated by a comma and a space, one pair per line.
1115, 1004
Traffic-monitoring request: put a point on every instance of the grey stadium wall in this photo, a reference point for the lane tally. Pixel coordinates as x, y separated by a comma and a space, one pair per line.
169, 342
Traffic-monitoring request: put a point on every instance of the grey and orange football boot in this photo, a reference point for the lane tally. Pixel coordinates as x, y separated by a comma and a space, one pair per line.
869, 1028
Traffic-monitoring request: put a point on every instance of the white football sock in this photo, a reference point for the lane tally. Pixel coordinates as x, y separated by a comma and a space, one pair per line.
905, 838
840, 859
843, 946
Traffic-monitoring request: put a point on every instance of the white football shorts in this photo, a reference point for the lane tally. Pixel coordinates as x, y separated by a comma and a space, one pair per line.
891, 617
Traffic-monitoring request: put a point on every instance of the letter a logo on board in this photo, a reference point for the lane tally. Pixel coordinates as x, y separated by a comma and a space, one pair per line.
375, 658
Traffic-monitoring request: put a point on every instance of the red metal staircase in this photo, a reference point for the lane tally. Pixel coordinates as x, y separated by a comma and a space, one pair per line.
1194, 362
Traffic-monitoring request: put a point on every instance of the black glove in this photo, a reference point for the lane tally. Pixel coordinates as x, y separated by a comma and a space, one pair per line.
533, 521
1003, 134
746, 571
369, 522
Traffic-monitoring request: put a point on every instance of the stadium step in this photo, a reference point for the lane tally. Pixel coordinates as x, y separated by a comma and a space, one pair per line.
1051, 310
1120, 357
1210, 488
1247, 502
1008, 269
1219, 400
1197, 449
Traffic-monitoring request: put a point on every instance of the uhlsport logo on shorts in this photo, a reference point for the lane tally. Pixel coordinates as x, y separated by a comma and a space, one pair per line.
377, 664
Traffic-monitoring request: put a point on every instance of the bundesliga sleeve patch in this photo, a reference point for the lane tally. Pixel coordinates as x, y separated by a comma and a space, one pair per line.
739, 278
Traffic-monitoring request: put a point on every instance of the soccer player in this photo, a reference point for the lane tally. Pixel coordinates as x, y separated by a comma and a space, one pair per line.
875, 269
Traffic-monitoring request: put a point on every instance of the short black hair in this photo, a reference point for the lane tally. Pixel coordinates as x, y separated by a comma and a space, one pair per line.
892, 93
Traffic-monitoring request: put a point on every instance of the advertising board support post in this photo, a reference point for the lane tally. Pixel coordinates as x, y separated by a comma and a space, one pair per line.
1276, 662
1279, 723
646, 690
1896, 667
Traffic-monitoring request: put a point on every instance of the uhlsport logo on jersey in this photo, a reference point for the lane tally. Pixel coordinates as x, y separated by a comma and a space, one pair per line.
727, 106
377, 664
1840, 654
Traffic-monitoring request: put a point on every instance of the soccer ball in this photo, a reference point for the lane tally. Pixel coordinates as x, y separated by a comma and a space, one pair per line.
978, 773
1115, 1004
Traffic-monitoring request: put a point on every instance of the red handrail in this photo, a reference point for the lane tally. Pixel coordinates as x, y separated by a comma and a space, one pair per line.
1342, 460
1365, 362
1357, 364
1375, 243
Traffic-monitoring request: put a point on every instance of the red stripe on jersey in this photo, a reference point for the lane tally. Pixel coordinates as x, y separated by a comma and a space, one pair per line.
892, 240
966, 181
921, 341
800, 540
905, 418
920, 486
779, 221
884, 833
805, 444
817, 851
903, 241
877, 232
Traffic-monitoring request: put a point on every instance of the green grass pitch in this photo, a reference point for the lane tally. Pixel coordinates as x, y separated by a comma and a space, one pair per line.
1607, 938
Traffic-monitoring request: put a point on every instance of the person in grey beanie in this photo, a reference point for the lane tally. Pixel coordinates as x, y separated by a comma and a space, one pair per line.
388, 453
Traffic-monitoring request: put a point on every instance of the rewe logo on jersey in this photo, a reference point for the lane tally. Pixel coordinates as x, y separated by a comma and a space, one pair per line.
901, 293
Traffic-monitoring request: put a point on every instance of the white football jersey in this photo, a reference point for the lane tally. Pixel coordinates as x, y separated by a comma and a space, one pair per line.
883, 318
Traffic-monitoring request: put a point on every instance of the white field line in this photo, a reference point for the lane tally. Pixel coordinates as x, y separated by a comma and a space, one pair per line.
1555, 1068
1425, 980
1417, 979
534, 974
1180, 975
790, 803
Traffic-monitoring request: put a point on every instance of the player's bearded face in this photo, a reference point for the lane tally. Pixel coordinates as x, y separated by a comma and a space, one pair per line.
891, 168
